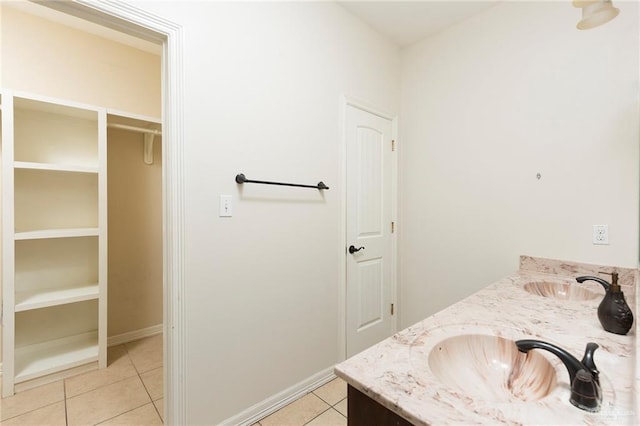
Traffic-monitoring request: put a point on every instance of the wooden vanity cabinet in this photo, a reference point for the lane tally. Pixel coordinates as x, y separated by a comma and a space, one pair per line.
364, 411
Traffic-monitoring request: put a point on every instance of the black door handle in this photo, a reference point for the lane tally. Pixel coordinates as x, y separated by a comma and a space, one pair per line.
353, 249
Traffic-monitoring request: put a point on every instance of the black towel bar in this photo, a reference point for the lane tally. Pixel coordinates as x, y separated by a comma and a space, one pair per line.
241, 178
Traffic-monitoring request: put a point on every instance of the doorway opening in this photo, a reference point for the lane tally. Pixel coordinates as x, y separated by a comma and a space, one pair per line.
135, 22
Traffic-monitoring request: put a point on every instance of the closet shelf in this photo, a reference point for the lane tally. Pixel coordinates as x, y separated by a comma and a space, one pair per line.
54, 257
55, 167
56, 355
72, 110
57, 233
35, 299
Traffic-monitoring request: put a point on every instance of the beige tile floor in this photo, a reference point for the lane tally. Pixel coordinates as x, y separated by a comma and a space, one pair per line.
129, 392
325, 406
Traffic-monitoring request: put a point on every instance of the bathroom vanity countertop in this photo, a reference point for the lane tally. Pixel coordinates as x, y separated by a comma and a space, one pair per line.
396, 373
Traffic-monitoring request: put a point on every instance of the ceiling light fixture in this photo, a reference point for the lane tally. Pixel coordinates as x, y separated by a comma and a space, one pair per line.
595, 13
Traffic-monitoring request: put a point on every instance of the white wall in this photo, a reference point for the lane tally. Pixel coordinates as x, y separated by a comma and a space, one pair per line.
47, 58
263, 83
486, 105
134, 191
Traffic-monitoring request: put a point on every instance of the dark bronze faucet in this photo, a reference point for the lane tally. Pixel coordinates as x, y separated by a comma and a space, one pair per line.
583, 375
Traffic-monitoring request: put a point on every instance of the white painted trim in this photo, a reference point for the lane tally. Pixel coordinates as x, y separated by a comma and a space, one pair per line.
8, 253
123, 17
102, 238
130, 336
272, 404
366, 106
342, 264
394, 217
342, 295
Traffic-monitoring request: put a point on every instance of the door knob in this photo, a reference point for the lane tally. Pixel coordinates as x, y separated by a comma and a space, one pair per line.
353, 249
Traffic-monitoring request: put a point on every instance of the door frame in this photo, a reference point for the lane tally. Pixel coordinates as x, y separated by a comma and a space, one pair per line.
345, 102
136, 22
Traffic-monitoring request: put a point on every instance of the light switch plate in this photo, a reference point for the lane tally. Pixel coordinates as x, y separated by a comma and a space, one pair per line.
226, 206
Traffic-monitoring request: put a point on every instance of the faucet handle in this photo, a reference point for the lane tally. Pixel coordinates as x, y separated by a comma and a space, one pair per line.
589, 363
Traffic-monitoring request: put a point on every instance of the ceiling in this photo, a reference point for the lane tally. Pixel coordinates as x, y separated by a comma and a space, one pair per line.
402, 22
405, 22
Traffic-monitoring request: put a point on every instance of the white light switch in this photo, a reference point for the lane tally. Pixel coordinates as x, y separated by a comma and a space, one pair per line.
226, 206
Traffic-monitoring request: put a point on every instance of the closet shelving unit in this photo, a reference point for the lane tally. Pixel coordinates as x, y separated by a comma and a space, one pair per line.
54, 247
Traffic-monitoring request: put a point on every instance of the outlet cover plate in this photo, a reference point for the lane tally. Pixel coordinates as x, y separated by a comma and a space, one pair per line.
601, 234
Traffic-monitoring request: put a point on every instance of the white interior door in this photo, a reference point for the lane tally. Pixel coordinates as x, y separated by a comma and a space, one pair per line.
369, 209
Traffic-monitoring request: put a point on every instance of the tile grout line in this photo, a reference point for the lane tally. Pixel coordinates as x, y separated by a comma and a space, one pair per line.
330, 408
144, 385
157, 411
321, 399
334, 407
64, 394
142, 381
35, 409
329, 404
127, 378
120, 414
339, 412
99, 387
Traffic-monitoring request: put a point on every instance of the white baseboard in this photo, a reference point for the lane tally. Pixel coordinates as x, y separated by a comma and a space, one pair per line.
134, 335
279, 400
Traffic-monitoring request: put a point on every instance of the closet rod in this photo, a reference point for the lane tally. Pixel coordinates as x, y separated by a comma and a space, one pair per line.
135, 129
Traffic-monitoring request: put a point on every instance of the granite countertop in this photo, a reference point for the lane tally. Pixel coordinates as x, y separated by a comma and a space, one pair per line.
396, 372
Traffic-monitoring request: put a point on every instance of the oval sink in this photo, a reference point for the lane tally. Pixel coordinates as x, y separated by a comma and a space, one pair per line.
491, 368
562, 291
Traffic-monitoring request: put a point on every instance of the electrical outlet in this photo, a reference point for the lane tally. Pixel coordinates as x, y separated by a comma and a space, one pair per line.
601, 234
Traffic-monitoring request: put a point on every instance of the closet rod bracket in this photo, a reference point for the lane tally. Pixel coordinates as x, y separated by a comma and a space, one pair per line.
148, 148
